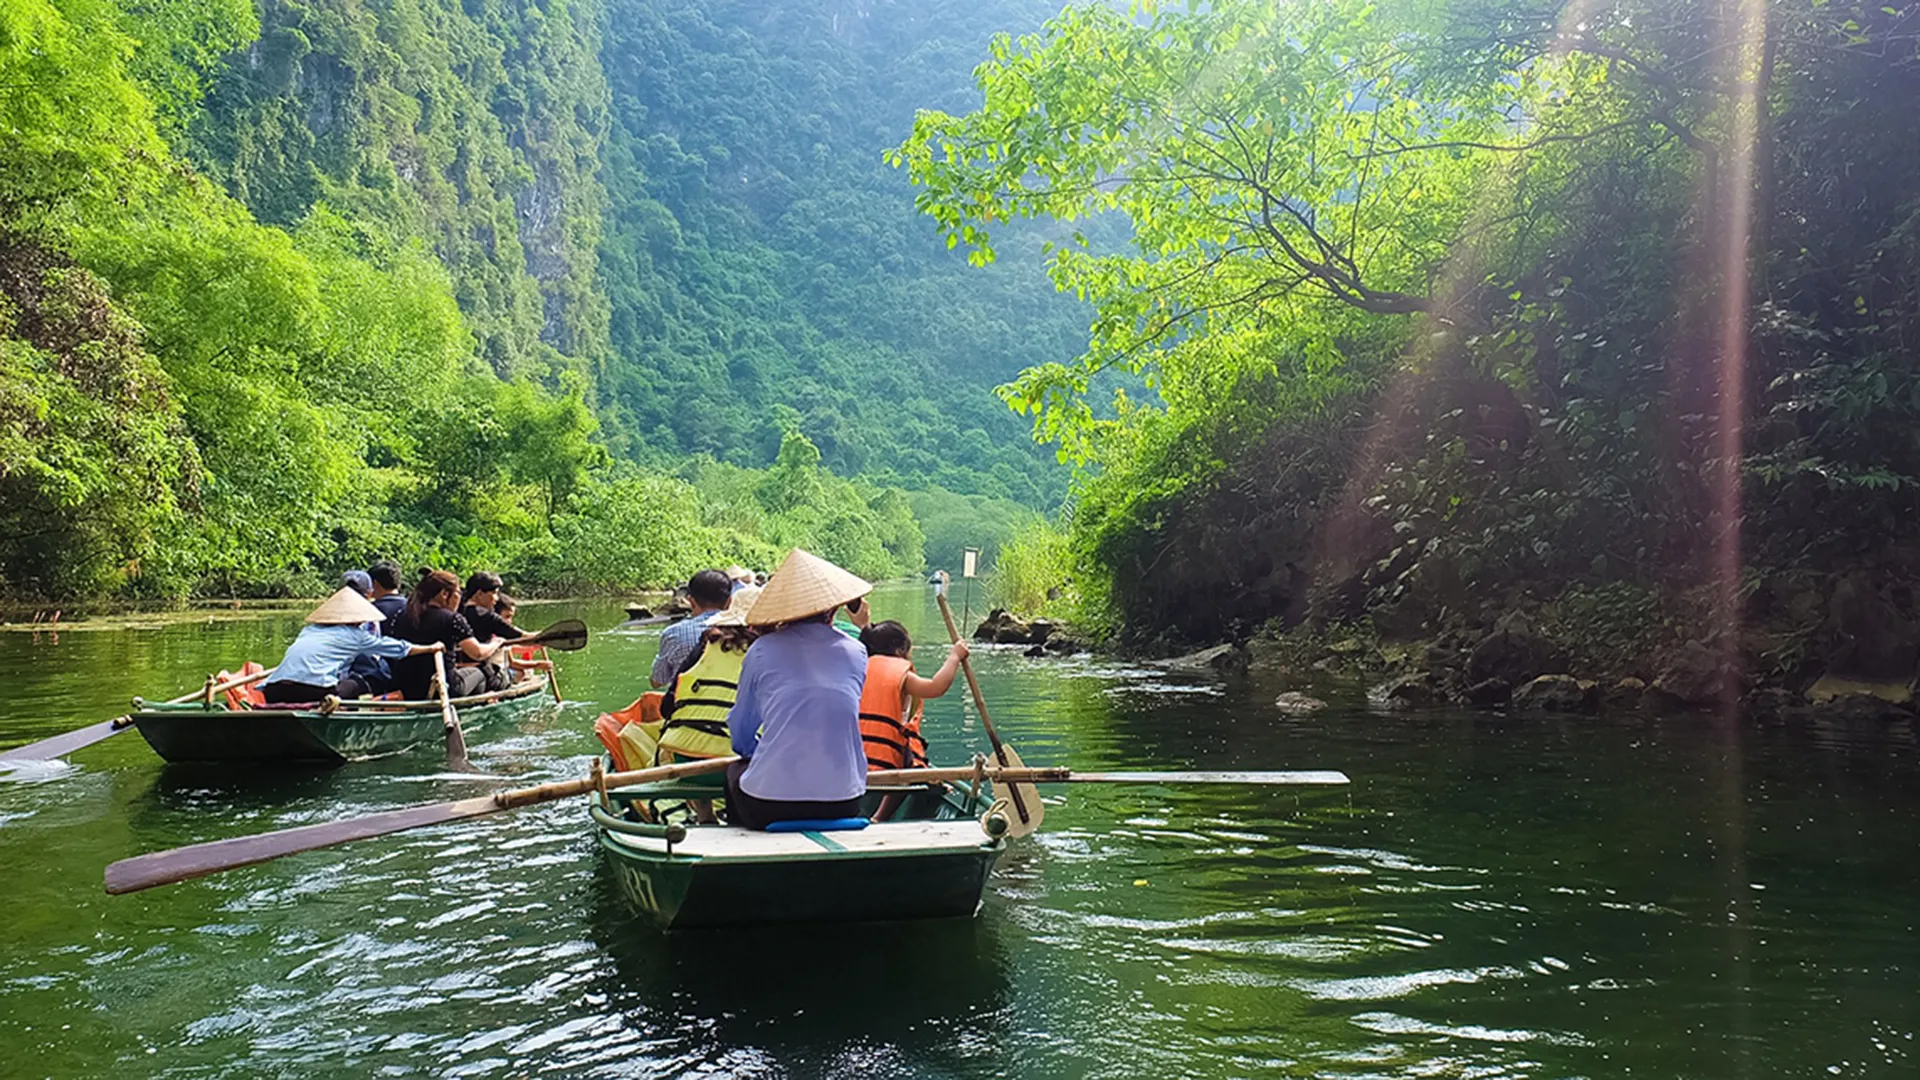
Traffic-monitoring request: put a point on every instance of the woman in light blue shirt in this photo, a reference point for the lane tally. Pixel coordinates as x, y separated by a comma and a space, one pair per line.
316, 664
796, 719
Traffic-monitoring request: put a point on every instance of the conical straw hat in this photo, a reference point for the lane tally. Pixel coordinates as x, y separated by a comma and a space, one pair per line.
345, 608
738, 607
805, 584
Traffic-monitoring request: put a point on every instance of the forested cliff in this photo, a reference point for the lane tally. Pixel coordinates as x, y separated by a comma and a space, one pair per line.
592, 291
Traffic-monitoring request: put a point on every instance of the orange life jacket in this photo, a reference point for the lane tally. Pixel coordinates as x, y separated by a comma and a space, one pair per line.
892, 740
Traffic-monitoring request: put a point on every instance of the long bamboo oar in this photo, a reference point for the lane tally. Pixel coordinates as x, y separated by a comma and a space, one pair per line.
1029, 817
890, 777
450, 720
62, 745
199, 860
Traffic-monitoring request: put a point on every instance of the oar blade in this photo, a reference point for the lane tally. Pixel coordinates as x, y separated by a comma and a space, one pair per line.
456, 739
199, 860
61, 745
1306, 777
1024, 808
567, 635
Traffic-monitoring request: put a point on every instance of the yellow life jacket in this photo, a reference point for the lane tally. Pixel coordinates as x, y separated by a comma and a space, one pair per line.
702, 697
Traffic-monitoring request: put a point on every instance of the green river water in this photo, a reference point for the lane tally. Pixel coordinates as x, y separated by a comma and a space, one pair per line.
1492, 897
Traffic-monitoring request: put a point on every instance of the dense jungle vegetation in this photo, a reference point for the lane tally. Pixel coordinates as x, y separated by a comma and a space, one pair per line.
1602, 311
593, 292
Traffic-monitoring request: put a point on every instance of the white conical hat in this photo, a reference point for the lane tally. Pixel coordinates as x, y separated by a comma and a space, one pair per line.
739, 606
805, 584
345, 608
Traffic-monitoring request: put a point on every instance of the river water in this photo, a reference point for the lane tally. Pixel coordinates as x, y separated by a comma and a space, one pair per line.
1492, 897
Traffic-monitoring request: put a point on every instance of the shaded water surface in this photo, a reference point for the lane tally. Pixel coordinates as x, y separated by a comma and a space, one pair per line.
1492, 897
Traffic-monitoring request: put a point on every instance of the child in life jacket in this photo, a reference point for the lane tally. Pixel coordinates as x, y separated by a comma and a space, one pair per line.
891, 705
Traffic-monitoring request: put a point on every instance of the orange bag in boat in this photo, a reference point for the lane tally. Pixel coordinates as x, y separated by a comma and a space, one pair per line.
631, 734
243, 697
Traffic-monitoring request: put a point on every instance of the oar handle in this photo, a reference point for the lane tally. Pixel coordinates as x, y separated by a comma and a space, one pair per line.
562, 789
966, 667
447, 715
980, 703
221, 688
1056, 775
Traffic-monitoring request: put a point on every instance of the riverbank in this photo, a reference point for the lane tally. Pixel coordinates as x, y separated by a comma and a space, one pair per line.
1835, 644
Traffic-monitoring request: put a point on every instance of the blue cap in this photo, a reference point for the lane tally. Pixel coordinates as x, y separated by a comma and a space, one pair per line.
358, 581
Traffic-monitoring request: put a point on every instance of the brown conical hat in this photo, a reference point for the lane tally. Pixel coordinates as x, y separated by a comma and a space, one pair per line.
345, 608
805, 584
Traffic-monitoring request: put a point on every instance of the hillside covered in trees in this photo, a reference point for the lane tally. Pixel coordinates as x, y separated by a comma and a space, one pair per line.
1593, 323
590, 291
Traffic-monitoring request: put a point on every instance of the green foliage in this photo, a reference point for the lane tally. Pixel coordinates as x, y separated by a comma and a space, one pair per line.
1431, 294
204, 393
760, 257
92, 455
954, 522
79, 132
474, 127
1034, 574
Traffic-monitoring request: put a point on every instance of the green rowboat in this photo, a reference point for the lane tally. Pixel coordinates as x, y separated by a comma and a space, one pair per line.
930, 861
357, 728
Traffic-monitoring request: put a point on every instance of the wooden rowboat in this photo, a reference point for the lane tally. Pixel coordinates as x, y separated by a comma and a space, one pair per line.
314, 735
931, 861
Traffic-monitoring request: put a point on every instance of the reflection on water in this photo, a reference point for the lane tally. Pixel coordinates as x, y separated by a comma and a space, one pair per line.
1493, 897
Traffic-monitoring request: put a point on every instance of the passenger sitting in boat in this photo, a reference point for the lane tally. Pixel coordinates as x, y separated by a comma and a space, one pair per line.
695, 708
387, 596
430, 616
317, 663
371, 670
477, 607
516, 659
796, 719
893, 700
707, 593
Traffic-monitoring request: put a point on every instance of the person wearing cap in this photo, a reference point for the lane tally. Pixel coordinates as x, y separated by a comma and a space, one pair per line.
795, 721
317, 663
708, 593
371, 670
696, 706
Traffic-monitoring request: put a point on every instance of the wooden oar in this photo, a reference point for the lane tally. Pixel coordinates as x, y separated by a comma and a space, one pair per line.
62, 745
553, 676
1026, 818
199, 860
450, 720
887, 777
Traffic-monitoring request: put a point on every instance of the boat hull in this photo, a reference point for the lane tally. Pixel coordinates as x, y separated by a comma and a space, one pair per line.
684, 893
195, 733
931, 863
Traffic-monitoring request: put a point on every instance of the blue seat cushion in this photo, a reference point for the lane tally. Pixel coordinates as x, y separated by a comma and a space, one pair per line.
840, 824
